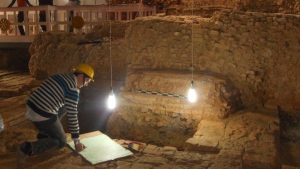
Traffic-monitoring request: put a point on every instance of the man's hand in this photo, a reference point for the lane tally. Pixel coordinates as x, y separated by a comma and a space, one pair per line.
79, 146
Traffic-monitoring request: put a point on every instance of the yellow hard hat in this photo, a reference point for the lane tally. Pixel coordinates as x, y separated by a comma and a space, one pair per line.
86, 69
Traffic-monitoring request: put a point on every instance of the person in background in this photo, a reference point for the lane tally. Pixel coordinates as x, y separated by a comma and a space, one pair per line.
71, 13
21, 3
42, 13
56, 96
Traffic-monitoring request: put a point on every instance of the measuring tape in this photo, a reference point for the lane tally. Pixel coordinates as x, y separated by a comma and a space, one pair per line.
161, 93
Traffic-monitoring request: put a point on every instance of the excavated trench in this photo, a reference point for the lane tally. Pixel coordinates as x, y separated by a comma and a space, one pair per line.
94, 115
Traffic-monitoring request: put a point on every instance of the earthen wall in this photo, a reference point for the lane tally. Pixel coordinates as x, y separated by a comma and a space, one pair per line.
258, 52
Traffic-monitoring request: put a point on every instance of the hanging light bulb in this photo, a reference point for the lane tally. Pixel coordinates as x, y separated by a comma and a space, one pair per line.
192, 96
192, 93
111, 102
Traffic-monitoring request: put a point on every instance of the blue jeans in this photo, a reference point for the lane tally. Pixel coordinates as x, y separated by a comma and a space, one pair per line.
54, 129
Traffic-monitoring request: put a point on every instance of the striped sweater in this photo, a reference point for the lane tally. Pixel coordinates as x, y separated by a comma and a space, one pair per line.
52, 94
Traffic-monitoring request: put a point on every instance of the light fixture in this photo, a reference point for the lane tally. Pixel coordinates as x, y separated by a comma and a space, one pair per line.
111, 102
192, 96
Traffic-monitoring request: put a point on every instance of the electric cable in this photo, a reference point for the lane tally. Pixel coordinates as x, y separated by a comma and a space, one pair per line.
81, 55
110, 60
192, 42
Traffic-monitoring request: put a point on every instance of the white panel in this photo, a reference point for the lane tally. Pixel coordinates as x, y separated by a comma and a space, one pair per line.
101, 148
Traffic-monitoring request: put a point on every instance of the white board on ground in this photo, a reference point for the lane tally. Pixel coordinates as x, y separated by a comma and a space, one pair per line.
100, 148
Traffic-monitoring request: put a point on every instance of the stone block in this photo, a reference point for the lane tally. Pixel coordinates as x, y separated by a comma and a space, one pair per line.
123, 164
193, 144
169, 148
151, 149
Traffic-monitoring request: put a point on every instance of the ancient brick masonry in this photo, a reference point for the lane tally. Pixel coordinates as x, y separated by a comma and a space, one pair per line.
169, 120
255, 50
258, 52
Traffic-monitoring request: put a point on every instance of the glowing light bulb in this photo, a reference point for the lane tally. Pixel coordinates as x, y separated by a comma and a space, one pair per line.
192, 96
111, 102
